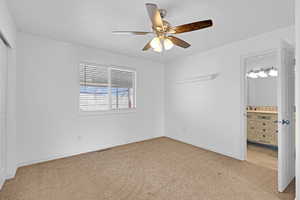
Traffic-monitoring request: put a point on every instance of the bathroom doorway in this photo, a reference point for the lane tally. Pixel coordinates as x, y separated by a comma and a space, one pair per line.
262, 110
268, 111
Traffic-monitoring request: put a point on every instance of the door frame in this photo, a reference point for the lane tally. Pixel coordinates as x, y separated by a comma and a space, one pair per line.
3, 116
244, 89
286, 173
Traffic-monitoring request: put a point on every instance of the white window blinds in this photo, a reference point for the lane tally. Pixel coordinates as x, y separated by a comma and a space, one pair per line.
106, 88
122, 89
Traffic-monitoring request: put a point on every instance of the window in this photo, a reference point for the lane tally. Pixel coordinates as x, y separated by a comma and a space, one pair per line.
122, 89
106, 88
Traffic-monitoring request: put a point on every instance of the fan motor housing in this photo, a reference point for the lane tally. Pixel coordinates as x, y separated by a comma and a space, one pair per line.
163, 13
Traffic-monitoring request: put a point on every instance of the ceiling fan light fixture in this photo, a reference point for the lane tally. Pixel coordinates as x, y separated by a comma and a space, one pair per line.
163, 30
159, 49
155, 43
168, 44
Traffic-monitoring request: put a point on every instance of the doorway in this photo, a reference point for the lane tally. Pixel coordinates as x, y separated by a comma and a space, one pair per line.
262, 110
268, 110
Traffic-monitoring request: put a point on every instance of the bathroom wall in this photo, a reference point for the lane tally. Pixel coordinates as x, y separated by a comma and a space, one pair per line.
262, 91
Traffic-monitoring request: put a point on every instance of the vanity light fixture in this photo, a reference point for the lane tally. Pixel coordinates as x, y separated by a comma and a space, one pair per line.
262, 74
273, 72
252, 74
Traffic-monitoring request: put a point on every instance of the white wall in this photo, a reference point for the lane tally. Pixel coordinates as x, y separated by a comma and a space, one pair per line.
3, 115
49, 122
7, 26
262, 91
8, 31
207, 114
298, 99
11, 115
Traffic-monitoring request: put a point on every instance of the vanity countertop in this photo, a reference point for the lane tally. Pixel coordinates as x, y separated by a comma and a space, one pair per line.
262, 111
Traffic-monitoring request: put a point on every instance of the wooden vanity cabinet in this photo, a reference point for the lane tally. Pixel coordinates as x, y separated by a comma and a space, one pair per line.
262, 127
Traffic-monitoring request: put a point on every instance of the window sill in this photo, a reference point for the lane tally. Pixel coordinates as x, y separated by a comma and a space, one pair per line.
108, 112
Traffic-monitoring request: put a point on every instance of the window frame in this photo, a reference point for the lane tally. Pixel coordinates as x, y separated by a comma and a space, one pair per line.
110, 110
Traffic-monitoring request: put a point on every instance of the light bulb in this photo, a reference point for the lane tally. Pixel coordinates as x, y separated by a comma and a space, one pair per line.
155, 43
252, 74
262, 74
158, 49
168, 44
273, 72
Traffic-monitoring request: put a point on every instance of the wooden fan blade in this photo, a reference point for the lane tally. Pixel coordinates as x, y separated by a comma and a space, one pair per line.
131, 32
154, 15
192, 26
147, 46
179, 42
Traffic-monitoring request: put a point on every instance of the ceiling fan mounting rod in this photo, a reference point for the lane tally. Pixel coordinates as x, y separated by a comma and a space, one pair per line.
162, 12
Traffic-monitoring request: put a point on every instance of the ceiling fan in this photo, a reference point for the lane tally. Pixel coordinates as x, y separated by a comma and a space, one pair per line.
164, 40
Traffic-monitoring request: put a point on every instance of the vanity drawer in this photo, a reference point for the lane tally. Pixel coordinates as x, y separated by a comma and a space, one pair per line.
266, 117
265, 137
252, 135
262, 129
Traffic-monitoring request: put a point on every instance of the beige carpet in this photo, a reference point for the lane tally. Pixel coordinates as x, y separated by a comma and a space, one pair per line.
159, 169
262, 156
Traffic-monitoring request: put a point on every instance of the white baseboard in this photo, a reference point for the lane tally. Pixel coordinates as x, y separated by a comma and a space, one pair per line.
1, 183
209, 149
2, 178
54, 157
11, 175
69, 154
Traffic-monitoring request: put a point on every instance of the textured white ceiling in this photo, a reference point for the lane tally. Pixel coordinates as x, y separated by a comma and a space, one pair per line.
90, 22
